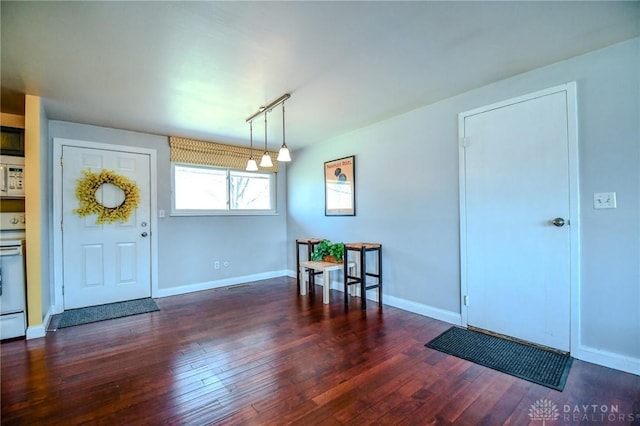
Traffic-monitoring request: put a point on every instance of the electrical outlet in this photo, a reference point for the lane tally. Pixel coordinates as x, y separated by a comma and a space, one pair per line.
216, 264
604, 200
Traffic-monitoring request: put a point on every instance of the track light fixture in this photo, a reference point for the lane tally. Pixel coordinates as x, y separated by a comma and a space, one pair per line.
283, 154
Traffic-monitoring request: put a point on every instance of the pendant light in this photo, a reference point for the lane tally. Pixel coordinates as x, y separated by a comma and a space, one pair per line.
251, 164
266, 158
284, 154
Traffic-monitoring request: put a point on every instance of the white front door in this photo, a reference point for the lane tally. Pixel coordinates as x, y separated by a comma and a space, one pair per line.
514, 184
109, 262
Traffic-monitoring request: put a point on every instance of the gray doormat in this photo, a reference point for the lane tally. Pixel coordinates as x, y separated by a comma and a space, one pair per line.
102, 312
546, 368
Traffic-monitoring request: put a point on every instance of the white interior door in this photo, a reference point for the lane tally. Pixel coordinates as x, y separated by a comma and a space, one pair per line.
515, 182
109, 262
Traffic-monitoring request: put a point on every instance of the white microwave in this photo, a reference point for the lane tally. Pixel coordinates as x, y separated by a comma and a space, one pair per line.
11, 176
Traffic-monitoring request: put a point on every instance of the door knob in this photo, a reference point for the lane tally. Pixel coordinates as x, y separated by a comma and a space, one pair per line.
144, 234
558, 221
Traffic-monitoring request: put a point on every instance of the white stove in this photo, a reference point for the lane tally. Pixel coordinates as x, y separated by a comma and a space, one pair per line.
12, 226
12, 277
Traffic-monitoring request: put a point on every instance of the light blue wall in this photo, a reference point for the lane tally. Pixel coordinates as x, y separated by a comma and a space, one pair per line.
188, 246
407, 195
407, 199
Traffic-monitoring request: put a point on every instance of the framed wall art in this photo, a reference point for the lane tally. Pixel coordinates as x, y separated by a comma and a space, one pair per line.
340, 187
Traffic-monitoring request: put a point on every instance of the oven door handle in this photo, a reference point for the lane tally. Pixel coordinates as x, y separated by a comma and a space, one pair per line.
10, 251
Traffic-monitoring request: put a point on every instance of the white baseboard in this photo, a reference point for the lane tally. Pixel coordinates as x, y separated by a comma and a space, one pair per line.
584, 353
208, 285
47, 318
607, 359
37, 331
450, 317
418, 308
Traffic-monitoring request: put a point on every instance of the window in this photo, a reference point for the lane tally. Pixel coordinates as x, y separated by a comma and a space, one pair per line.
205, 190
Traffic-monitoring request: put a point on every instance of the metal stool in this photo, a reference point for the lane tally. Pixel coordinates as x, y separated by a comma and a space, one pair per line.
311, 245
361, 279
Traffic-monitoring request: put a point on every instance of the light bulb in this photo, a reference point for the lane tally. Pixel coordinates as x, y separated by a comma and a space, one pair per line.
266, 161
284, 155
251, 165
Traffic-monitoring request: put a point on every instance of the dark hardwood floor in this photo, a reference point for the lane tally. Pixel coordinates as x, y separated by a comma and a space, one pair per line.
261, 354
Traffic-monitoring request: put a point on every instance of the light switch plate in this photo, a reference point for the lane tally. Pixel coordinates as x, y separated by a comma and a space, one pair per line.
604, 200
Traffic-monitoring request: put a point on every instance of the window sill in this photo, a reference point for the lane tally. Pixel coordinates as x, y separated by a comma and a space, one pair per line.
223, 213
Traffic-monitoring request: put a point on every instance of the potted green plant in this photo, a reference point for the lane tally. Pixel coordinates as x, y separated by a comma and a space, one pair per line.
328, 252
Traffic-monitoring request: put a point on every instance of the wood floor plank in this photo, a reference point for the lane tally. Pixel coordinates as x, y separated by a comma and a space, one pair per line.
483, 408
260, 354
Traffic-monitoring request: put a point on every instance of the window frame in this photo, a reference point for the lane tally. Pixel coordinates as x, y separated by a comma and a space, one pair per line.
228, 211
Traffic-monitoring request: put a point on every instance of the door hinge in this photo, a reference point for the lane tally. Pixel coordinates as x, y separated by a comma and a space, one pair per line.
464, 142
63, 290
466, 300
61, 160
61, 225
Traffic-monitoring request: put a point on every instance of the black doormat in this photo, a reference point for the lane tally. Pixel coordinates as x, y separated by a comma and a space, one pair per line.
102, 312
546, 368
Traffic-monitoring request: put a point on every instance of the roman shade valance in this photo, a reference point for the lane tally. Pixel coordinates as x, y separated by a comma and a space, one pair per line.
193, 151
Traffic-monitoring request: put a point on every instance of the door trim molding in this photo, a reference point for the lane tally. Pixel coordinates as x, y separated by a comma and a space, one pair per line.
574, 201
58, 143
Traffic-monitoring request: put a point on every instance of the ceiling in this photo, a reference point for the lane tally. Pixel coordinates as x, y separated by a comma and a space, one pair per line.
199, 69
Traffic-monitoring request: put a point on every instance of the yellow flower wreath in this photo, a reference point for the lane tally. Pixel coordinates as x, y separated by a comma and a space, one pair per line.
86, 194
